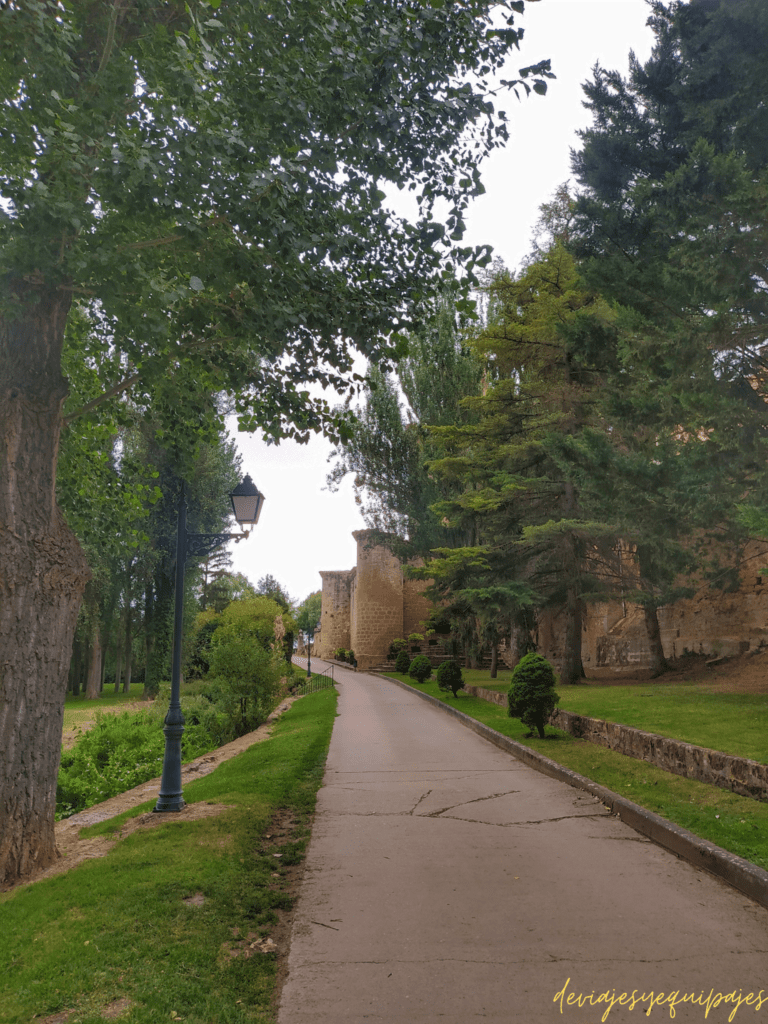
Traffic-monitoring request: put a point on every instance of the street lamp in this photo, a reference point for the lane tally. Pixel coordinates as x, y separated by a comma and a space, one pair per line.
310, 631
247, 502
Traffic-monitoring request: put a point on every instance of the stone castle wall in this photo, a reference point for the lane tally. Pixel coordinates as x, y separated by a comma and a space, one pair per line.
334, 614
378, 611
367, 607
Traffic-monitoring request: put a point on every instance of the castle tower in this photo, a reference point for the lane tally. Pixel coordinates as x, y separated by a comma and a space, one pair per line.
335, 611
376, 601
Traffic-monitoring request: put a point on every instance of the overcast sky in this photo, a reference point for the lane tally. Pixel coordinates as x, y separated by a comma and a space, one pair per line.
304, 527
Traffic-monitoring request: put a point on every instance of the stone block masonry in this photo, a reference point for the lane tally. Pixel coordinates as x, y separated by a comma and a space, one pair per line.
738, 774
367, 607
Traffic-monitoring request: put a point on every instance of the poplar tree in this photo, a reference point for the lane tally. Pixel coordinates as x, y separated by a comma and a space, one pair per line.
208, 176
530, 533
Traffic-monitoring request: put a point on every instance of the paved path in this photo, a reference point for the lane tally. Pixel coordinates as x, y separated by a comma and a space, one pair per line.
448, 883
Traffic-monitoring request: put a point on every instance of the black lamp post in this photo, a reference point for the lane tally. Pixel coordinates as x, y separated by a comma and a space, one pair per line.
247, 502
310, 631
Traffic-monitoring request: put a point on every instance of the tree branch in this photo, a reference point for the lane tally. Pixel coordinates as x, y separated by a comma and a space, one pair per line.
118, 389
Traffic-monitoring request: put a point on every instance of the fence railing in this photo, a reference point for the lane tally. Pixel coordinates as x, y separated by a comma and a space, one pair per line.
317, 681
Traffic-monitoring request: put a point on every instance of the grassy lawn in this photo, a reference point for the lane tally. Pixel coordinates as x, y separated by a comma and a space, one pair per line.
736, 723
117, 927
78, 710
736, 823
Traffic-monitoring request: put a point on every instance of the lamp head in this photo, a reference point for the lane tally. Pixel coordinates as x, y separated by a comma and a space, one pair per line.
247, 502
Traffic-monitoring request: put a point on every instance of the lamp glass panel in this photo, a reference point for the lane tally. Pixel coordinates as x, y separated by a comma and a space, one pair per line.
247, 507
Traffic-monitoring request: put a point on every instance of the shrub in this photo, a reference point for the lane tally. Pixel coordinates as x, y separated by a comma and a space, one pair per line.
420, 668
402, 661
120, 752
532, 696
449, 677
395, 647
250, 675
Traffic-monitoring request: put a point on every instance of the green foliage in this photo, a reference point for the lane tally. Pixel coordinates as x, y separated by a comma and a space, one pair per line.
164, 148
392, 483
420, 668
269, 587
402, 661
308, 612
532, 697
666, 227
396, 647
244, 659
118, 753
133, 898
415, 638
199, 661
449, 677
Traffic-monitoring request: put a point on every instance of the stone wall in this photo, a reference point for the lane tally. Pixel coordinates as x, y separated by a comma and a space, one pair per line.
712, 622
367, 607
417, 608
334, 613
739, 774
377, 611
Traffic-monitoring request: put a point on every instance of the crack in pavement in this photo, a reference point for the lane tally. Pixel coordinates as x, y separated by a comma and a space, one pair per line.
514, 824
422, 797
476, 800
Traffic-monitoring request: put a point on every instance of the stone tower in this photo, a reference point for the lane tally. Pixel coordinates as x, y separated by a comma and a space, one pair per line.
376, 606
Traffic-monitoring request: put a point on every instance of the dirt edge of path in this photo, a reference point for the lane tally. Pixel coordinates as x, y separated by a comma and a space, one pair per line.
73, 850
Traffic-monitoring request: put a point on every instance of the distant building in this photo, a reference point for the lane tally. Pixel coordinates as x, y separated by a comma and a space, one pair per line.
364, 609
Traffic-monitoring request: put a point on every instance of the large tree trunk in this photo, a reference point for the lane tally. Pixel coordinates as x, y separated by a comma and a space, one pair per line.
572, 669
93, 686
658, 661
495, 659
42, 577
128, 648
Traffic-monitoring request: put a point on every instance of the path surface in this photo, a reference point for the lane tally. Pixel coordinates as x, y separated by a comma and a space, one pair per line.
447, 882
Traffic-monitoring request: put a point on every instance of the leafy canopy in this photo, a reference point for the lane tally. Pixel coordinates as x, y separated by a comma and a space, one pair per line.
209, 177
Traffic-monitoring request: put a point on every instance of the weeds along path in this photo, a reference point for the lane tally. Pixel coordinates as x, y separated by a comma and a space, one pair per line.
75, 850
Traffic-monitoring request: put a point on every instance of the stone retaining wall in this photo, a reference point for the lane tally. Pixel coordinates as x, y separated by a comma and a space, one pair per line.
740, 775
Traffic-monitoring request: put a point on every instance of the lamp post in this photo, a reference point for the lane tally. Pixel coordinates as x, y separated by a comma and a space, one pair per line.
310, 631
247, 502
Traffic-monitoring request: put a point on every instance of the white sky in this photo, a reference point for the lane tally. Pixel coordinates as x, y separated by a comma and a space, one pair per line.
304, 527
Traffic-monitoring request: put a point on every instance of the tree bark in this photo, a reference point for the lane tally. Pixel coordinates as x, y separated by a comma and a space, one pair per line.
118, 665
494, 659
572, 669
43, 573
93, 686
658, 662
128, 647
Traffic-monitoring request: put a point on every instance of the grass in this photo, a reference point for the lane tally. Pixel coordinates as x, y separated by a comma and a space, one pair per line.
117, 927
78, 710
736, 823
736, 723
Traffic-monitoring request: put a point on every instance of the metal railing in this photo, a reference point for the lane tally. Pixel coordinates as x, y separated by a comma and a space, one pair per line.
317, 681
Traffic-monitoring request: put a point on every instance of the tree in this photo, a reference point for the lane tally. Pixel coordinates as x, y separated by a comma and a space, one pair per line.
206, 176
673, 173
532, 545
269, 587
532, 697
308, 612
388, 446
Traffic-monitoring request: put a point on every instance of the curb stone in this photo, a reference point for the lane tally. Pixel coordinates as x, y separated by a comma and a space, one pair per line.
748, 878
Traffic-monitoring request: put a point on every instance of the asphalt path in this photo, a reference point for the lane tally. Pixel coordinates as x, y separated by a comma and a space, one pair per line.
447, 882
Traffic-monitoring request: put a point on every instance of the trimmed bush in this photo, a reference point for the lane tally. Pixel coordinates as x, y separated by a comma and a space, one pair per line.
395, 647
402, 661
420, 668
450, 677
532, 696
